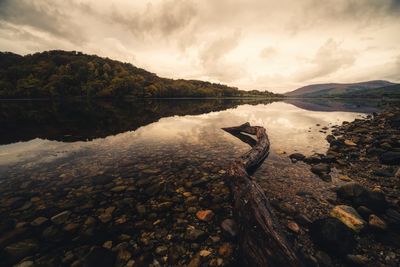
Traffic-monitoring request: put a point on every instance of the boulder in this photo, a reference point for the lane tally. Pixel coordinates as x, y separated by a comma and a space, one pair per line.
350, 190
349, 217
375, 200
332, 236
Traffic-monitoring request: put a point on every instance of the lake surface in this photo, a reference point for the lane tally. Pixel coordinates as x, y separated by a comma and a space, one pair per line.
43, 134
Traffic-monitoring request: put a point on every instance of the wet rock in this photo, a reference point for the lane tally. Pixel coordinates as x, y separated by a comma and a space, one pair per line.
285, 207
323, 259
374, 151
154, 189
349, 143
61, 217
105, 217
330, 138
345, 178
123, 255
119, 188
350, 190
108, 244
390, 158
100, 257
397, 174
195, 234
314, 159
225, 250
21, 249
320, 168
349, 217
325, 177
151, 171
90, 221
229, 228
357, 260
174, 253
6, 225
14, 202
39, 221
162, 250
303, 219
364, 211
25, 264
205, 253
50, 233
297, 156
71, 227
205, 215
195, 261
376, 223
294, 227
374, 200
393, 218
332, 236
328, 159
141, 209
101, 180
383, 173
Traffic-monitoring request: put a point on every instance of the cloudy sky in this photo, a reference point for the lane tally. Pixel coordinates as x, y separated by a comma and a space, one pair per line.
251, 44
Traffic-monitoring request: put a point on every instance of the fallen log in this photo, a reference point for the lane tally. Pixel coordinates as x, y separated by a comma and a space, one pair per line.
261, 243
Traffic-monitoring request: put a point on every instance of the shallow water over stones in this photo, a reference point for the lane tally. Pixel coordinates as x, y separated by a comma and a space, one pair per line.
133, 198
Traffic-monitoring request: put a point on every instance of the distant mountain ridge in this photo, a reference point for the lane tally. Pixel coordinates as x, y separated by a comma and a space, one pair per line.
375, 88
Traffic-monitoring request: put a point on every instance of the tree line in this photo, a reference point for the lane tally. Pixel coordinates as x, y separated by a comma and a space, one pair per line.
54, 74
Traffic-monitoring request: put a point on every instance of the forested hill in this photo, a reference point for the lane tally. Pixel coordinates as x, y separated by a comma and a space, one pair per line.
64, 74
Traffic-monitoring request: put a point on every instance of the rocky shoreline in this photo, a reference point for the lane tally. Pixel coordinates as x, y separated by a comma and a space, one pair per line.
361, 223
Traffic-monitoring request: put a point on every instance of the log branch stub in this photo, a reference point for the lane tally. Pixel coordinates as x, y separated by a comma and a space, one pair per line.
261, 243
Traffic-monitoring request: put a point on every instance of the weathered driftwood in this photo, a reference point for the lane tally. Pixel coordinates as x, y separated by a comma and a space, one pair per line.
261, 244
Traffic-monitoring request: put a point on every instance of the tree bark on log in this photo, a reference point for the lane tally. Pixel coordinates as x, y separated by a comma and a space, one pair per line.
261, 244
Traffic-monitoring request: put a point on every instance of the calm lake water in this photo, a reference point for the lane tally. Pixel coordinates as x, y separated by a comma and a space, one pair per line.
101, 134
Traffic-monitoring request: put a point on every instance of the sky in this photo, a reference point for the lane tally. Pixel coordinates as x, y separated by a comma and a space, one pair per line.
250, 44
